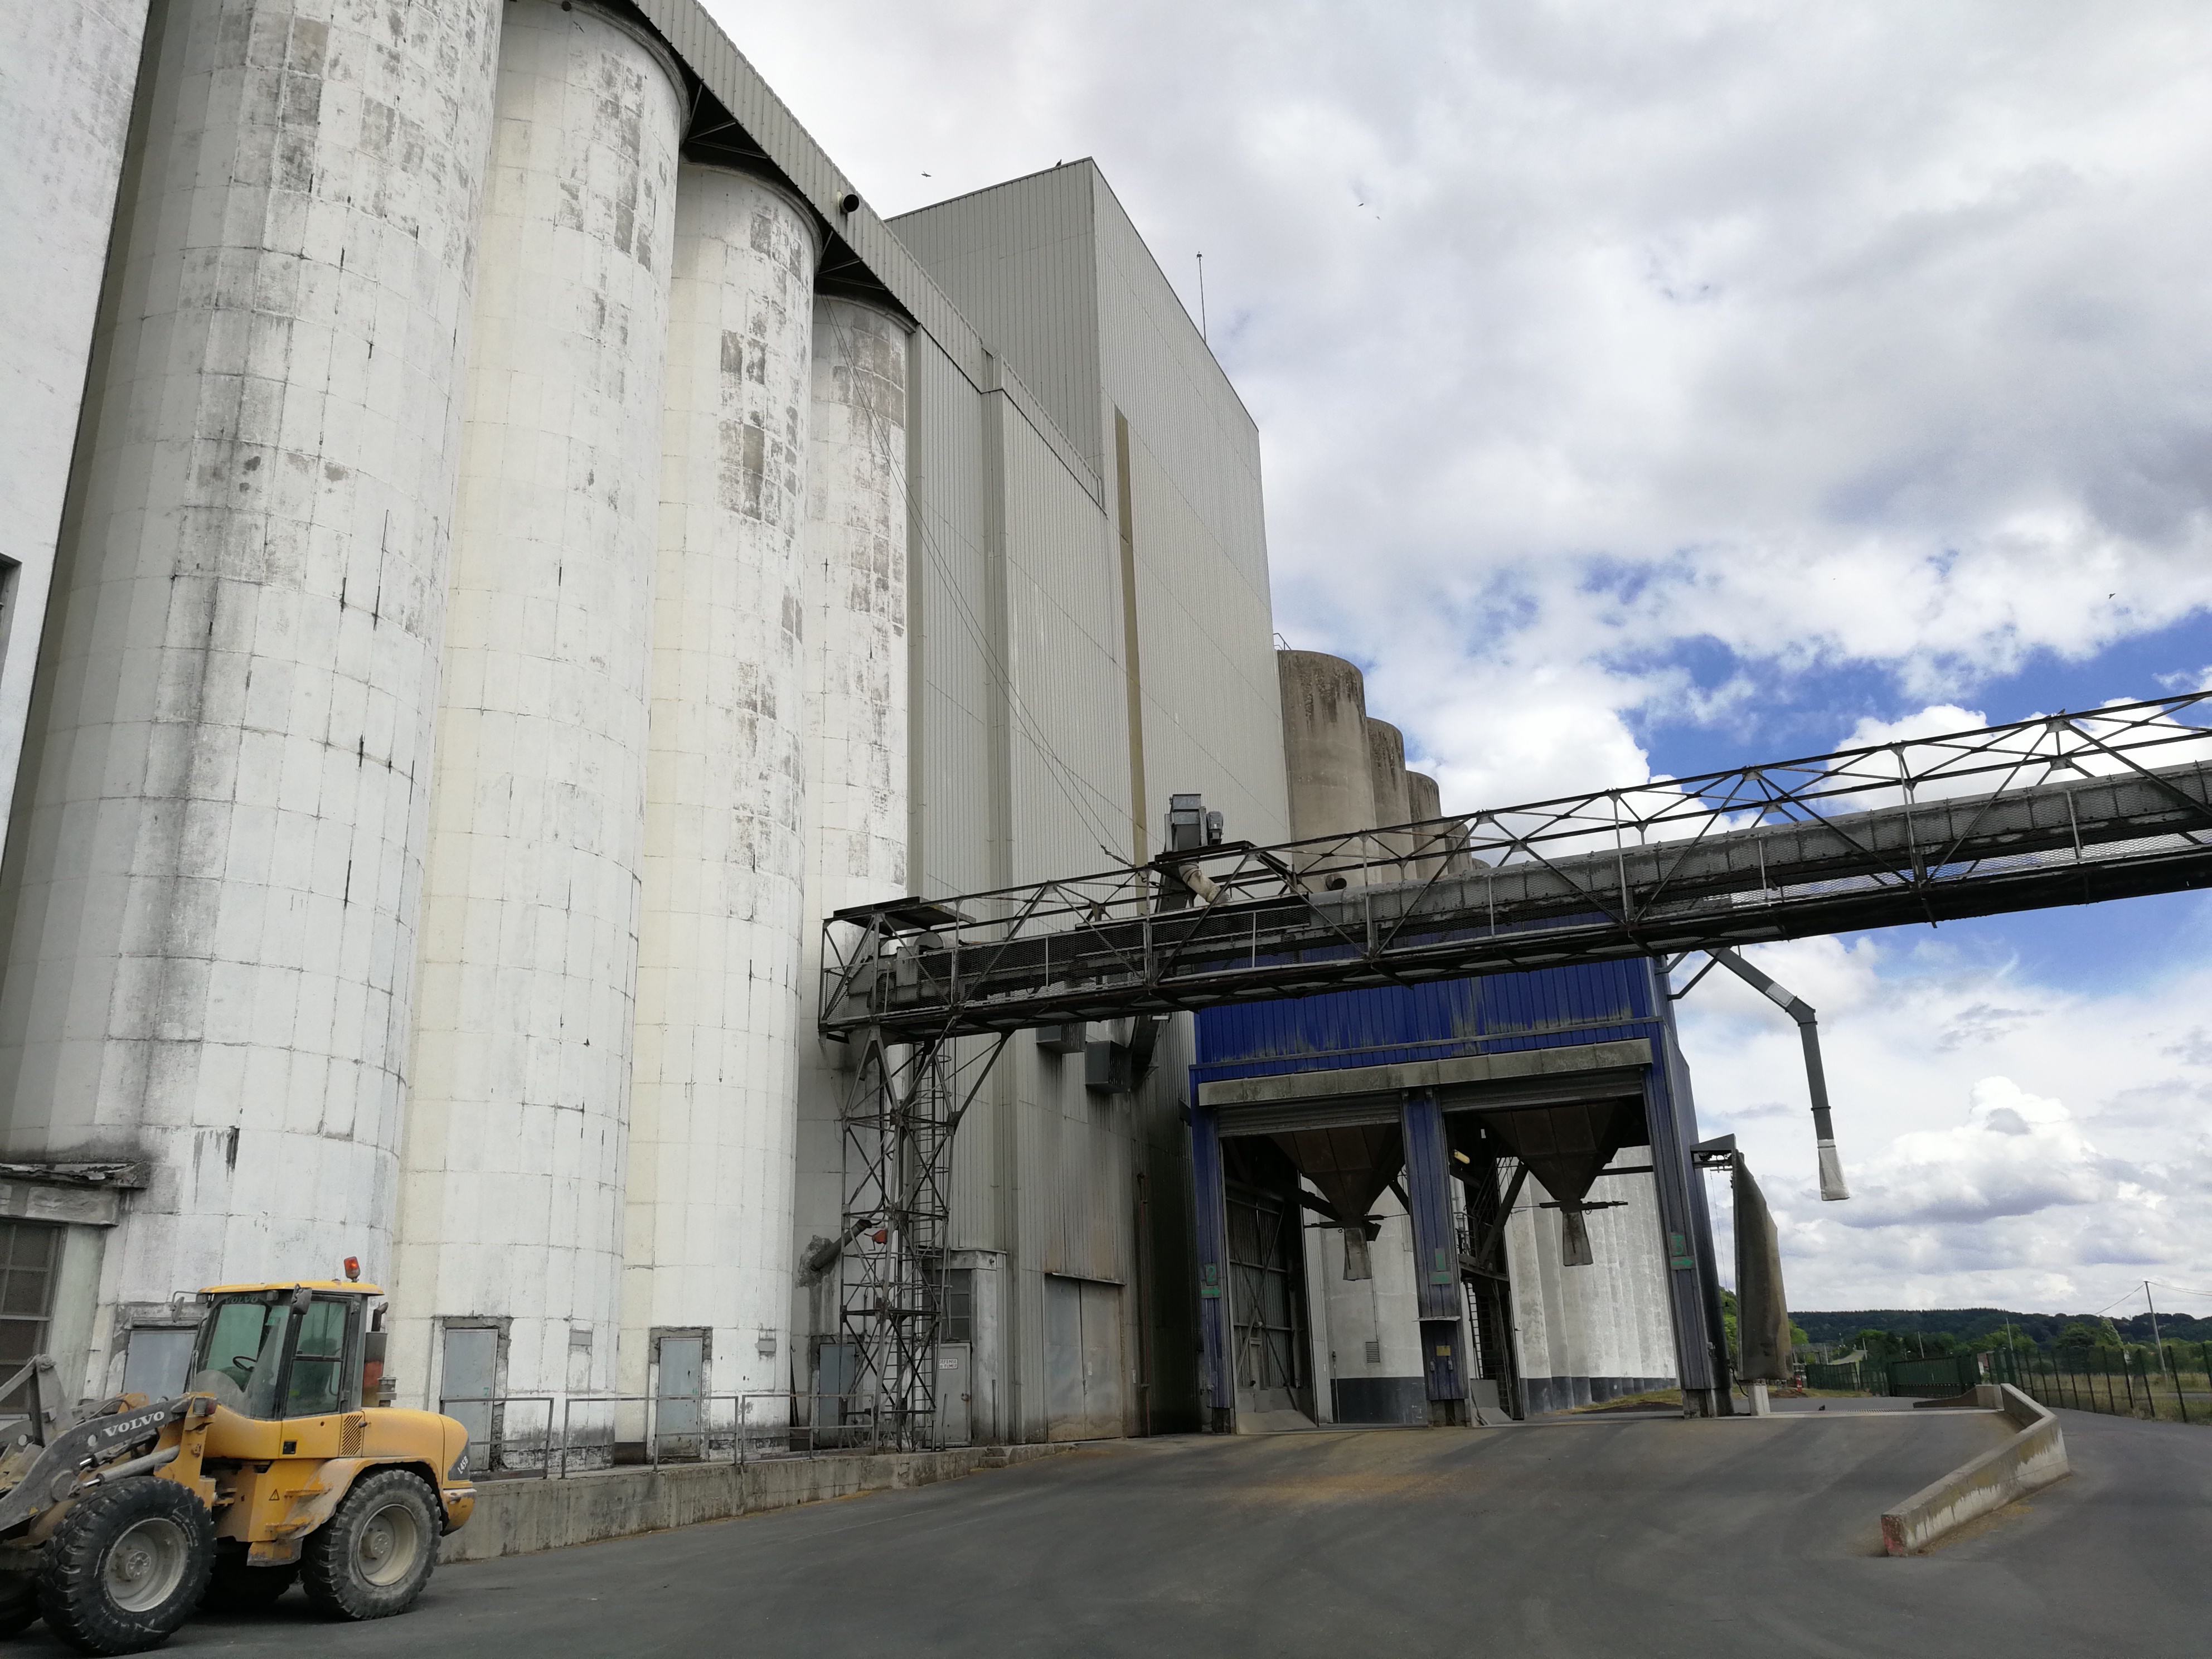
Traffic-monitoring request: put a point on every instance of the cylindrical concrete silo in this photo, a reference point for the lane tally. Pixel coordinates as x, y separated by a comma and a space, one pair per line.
212, 910
69, 81
512, 1208
1424, 802
719, 996
856, 739
1325, 752
1386, 773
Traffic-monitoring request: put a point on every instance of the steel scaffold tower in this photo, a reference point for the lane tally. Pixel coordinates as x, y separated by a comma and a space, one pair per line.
903, 1103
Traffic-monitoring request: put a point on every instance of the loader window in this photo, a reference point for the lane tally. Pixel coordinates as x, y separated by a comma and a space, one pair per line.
320, 1376
242, 1355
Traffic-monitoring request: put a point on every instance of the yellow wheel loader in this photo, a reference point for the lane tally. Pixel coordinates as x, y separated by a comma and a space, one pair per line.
268, 1469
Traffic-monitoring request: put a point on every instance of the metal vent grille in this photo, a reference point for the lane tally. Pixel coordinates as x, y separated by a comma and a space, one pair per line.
351, 1437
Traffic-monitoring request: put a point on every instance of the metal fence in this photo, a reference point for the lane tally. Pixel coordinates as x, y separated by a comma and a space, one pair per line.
2118, 1384
544, 1437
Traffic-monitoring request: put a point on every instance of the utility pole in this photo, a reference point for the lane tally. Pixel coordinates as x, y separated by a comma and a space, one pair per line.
2158, 1346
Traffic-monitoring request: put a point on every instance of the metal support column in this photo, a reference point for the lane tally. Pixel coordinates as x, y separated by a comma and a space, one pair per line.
1217, 1386
1685, 1227
1436, 1256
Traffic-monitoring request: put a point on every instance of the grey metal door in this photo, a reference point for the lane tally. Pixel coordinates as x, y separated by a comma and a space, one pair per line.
680, 1419
833, 1382
955, 1379
1102, 1361
1082, 1359
1266, 1250
1066, 1415
468, 1380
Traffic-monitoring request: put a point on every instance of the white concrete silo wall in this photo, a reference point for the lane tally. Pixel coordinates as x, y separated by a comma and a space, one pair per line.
67, 80
710, 1190
512, 1208
1608, 1320
210, 933
857, 714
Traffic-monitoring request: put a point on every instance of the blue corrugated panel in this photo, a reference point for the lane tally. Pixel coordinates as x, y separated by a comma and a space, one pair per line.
1552, 1007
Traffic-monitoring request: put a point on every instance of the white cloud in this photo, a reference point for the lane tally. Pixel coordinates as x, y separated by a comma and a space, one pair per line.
1608, 341
2008, 1143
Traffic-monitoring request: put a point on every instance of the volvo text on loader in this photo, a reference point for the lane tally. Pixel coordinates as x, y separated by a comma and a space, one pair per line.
269, 1468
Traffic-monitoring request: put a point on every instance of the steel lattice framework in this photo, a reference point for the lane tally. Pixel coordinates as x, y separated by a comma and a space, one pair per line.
2062, 809
901, 1105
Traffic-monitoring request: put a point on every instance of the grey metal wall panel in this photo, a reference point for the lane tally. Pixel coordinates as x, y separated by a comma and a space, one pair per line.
1070, 737
1212, 715
1017, 259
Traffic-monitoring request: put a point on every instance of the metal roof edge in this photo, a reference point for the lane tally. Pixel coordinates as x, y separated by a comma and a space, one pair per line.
709, 53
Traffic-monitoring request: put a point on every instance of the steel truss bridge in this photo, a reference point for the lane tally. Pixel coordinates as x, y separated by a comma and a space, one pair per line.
2062, 809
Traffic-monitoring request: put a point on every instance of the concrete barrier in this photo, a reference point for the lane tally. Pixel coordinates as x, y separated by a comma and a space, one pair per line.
2034, 1457
517, 1517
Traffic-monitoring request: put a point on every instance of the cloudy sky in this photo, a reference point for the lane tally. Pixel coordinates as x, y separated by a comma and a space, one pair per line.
1652, 388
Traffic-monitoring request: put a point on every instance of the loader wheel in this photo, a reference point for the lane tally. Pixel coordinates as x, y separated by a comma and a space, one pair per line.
372, 1559
126, 1566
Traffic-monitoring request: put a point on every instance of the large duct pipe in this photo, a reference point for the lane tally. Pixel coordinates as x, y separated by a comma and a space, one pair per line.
211, 897
1833, 1188
719, 992
513, 1200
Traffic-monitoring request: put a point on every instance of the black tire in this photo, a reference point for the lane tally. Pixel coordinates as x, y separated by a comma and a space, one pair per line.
372, 1559
126, 1566
234, 1587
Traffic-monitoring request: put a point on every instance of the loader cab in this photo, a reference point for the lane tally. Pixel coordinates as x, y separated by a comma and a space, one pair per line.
281, 1352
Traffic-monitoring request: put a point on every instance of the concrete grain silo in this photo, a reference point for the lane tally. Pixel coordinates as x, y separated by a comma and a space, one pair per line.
1331, 789
1386, 772
211, 889
720, 1000
67, 83
513, 1206
476, 444
857, 715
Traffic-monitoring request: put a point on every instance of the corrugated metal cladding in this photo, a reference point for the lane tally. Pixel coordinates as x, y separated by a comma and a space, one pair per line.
1551, 1008
1051, 268
1022, 745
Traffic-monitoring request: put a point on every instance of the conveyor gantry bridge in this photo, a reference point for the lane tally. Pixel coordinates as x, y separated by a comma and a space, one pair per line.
2062, 809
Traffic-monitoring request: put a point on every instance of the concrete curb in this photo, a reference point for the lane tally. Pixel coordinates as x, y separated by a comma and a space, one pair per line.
2032, 1458
519, 1517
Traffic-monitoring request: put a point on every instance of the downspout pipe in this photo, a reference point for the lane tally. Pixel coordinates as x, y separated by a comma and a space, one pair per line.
1809, 1032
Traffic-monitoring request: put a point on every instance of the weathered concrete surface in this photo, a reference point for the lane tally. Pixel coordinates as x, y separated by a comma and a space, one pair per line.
516, 1517
1659, 1539
720, 942
1325, 744
66, 83
2032, 1459
858, 716
511, 1200
210, 946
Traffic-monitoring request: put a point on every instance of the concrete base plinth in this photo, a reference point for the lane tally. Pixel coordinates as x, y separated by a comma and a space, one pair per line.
517, 1517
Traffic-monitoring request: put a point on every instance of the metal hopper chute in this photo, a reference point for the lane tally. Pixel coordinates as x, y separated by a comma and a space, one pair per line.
1565, 1148
1350, 1166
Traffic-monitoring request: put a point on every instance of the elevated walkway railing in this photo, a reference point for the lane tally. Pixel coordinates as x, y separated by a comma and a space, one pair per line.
2062, 809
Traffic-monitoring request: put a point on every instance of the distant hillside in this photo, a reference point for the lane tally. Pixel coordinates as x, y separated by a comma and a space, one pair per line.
1967, 1323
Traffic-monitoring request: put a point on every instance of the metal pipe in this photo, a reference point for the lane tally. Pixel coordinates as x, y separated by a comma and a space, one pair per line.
1832, 1187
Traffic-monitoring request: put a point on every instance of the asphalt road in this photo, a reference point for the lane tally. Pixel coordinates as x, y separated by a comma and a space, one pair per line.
1632, 1537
